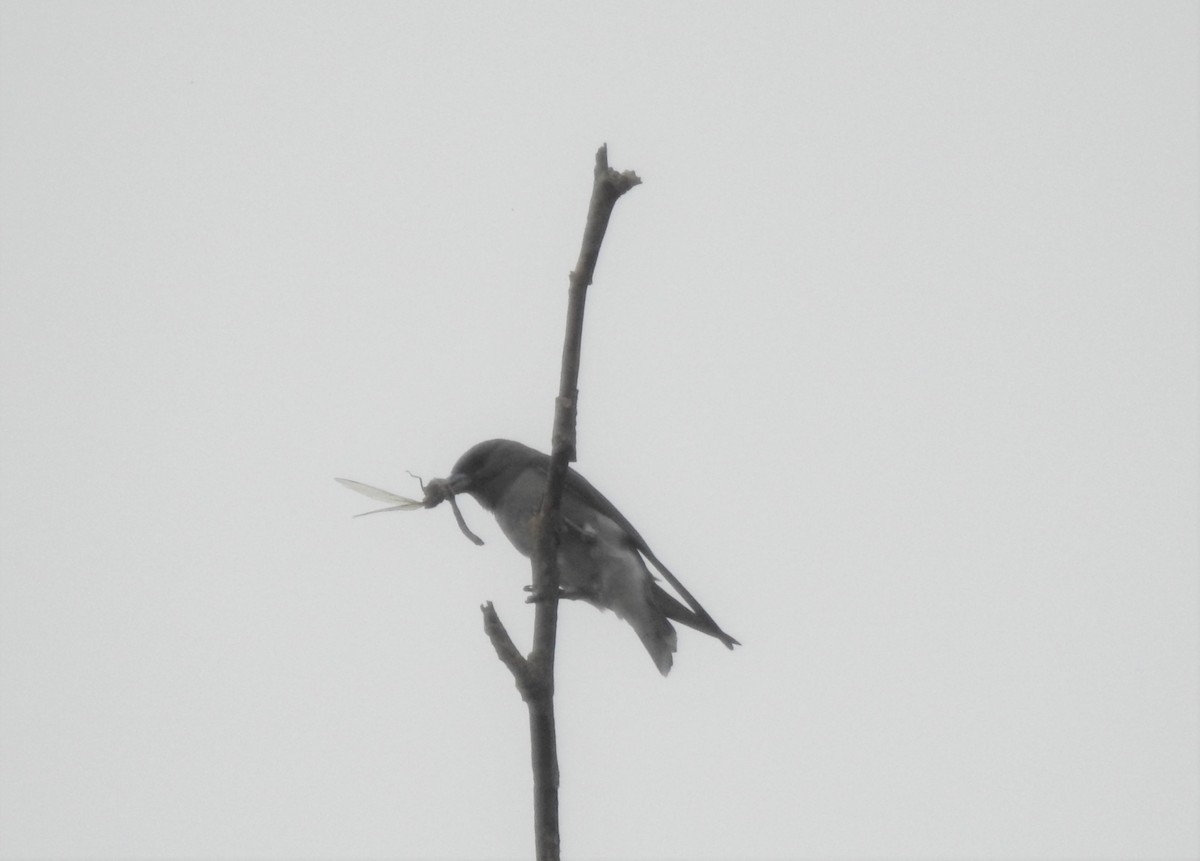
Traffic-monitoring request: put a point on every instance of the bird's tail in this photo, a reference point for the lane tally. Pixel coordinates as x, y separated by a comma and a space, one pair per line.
660, 641
673, 609
651, 625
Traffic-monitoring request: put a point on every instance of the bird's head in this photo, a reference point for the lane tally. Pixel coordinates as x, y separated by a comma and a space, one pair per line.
486, 469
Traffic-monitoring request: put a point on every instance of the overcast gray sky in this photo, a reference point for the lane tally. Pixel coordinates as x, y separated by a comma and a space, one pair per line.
892, 359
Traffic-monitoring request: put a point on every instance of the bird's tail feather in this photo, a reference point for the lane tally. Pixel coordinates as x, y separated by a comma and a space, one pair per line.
651, 625
676, 611
660, 641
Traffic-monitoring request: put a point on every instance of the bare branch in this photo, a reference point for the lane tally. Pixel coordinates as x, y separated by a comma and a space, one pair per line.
607, 187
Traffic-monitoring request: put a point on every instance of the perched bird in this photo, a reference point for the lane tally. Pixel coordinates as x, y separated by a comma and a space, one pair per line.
601, 557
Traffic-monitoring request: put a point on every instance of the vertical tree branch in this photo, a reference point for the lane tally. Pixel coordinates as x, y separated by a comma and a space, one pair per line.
535, 676
607, 188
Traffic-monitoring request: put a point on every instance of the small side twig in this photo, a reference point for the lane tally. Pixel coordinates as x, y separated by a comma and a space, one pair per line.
506, 650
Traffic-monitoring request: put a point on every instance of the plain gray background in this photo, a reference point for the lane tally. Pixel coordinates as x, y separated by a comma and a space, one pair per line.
892, 358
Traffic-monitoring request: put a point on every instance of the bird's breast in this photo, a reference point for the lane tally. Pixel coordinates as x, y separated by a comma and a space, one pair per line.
516, 508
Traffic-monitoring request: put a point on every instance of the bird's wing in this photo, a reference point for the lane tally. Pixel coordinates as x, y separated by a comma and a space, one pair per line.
584, 493
672, 608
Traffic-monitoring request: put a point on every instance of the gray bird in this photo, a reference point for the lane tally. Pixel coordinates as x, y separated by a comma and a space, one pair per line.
600, 557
